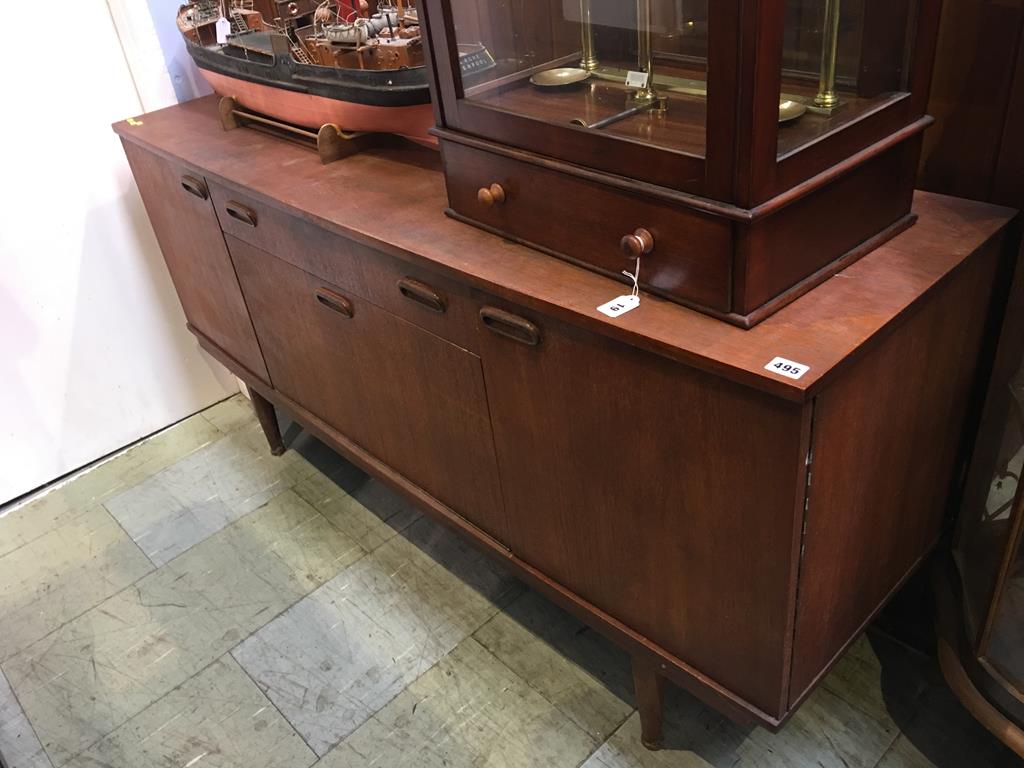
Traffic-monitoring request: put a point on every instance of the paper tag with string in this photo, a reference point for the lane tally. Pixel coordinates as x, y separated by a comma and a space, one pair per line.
223, 27
637, 79
623, 304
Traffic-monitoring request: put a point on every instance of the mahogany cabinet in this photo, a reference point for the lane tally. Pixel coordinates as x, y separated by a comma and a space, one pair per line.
736, 154
732, 519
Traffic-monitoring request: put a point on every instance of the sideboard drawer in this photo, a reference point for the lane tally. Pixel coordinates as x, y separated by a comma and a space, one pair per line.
411, 399
423, 297
689, 255
288, 237
419, 295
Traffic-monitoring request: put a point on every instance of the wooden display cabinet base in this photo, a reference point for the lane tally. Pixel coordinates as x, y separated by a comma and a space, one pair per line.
737, 264
330, 142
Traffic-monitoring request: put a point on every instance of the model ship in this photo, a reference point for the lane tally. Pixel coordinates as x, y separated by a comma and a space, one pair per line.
347, 63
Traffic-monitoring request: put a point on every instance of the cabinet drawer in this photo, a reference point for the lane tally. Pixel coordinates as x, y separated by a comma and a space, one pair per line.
288, 237
413, 400
420, 296
692, 252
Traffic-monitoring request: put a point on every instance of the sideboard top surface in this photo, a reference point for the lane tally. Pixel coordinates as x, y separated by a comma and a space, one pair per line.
393, 199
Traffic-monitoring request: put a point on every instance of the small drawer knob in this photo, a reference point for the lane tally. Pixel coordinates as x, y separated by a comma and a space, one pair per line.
492, 195
637, 244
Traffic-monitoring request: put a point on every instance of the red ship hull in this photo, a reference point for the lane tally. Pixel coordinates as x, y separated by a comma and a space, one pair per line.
311, 111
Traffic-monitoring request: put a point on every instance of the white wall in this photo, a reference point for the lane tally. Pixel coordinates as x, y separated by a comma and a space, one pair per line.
93, 349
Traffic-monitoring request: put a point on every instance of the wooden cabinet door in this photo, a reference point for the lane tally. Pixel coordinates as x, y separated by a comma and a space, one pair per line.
666, 497
179, 207
413, 400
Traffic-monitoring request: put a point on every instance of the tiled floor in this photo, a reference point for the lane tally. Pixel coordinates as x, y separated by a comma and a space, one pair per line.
196, 602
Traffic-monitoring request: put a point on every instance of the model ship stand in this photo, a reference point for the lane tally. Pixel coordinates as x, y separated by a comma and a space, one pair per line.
331, 142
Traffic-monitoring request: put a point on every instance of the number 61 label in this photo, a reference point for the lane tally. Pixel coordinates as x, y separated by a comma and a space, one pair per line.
787, 368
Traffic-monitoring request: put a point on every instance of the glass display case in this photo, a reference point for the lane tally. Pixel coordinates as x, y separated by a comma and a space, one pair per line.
770, 119
988, 558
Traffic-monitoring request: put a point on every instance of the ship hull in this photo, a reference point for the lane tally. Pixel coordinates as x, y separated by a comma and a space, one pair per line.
312, 111
265, 79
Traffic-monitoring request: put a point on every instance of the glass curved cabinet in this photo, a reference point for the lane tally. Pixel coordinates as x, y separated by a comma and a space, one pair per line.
986, 634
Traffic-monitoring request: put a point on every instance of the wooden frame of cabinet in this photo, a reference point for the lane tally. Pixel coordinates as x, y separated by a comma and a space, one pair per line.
736, 233
726, 543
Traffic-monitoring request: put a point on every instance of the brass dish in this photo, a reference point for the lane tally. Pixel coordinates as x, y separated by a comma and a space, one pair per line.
790, 110
560, 77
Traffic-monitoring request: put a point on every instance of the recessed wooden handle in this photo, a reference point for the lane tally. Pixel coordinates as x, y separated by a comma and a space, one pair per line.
637, 244
422, 293
511, 326
242, 213
335, 302
492, 195
195, 186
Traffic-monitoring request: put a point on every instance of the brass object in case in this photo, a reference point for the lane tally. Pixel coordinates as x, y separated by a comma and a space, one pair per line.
827, 99
559, 77
588, 59
791, 110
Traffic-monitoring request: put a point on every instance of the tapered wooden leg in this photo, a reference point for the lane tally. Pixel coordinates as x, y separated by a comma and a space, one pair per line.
268, 420
650, 690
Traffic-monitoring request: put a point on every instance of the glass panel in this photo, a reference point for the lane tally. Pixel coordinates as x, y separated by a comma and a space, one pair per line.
1006, 644
589, 63
841, 59
993, 494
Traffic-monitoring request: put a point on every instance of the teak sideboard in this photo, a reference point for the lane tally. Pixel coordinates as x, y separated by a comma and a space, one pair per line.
732, 528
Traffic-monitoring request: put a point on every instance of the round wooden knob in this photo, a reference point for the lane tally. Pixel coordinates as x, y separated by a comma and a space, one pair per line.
637, 244
488, 196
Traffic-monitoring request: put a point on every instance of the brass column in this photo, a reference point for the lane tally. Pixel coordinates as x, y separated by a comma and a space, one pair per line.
589, 58
645, 56
827, 97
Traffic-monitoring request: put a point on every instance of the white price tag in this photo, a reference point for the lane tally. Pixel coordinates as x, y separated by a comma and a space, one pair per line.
636, 79
223, 30
787, 368
619, 306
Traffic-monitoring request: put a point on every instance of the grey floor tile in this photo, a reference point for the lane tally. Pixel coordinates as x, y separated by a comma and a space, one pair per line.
826, 732
468, 711
218, 718
231, 414
342, 653
584, 675
370, 513
62, 574
18, 743
94, 673
881, 678
27, 522
207, 490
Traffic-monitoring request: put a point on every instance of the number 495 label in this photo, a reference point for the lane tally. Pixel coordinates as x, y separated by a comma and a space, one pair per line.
787, 368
